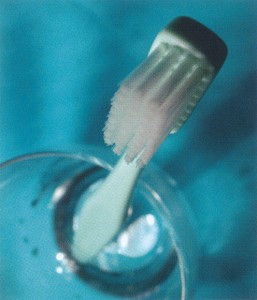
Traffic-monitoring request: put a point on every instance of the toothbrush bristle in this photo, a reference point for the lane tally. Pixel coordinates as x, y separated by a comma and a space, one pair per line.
154, 101
136, 127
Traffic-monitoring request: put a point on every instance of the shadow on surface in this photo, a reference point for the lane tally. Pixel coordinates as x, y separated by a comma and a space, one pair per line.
220, 131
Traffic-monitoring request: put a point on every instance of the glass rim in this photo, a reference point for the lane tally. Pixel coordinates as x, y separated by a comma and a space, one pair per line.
82, 155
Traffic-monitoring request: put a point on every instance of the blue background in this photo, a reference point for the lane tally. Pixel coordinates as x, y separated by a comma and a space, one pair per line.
60, 64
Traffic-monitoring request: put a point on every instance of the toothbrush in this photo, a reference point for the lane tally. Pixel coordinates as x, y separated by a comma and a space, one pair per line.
155, 100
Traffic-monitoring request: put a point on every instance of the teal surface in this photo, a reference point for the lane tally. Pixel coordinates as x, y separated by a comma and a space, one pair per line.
60, 64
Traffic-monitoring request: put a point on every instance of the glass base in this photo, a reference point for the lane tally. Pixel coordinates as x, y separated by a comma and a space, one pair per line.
140, 257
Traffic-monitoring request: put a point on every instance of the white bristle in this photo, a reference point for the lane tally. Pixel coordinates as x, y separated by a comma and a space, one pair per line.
155, 100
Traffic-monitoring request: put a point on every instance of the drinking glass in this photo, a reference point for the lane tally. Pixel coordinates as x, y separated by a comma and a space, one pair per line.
153, 256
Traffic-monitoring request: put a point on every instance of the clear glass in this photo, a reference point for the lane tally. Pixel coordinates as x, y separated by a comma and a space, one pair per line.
154, 256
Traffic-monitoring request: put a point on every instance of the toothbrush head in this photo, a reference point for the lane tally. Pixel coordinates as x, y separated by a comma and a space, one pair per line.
158, 97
